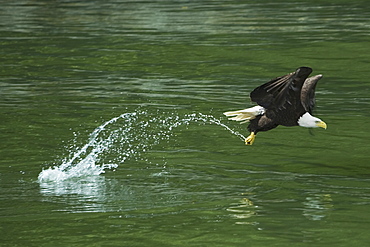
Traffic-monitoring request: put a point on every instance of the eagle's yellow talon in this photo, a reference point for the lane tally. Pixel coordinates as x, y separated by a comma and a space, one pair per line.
250, 139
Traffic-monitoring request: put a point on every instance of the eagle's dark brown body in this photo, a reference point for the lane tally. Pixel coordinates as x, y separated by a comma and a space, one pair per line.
282, 99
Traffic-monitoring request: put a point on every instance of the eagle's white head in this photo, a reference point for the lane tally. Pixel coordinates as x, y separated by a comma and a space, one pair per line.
309, 121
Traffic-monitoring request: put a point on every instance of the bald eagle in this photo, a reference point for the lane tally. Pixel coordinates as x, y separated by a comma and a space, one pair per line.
286, 100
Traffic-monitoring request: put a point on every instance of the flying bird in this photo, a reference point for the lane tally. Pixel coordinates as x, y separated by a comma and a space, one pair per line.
286, 100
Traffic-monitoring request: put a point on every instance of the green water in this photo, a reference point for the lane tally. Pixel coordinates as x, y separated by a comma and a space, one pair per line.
151, 79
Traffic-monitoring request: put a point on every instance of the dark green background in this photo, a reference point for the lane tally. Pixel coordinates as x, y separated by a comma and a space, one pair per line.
67, 67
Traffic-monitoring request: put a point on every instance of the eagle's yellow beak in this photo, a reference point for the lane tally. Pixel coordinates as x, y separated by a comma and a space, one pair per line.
321, 124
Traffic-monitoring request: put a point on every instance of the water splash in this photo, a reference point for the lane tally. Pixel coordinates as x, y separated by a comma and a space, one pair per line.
212, 120
126, 136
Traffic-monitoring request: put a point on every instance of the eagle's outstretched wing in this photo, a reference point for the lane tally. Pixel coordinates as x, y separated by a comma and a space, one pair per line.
280, 91
308, 92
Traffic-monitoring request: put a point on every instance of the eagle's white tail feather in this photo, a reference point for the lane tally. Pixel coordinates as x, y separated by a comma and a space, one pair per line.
246, 114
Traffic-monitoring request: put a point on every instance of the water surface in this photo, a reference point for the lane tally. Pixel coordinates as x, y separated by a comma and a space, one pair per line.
113, 134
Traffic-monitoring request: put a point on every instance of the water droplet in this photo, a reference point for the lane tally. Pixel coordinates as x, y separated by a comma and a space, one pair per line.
123, 137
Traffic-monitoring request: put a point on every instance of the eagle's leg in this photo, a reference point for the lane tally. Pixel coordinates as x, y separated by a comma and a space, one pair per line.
250, 139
